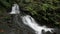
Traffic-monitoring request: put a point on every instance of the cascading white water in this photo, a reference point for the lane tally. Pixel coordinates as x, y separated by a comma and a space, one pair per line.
15, 9
29, 21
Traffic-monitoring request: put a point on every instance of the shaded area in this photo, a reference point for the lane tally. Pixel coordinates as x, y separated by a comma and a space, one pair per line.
45, 12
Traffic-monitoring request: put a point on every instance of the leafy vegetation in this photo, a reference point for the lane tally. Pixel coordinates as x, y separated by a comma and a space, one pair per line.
44, 11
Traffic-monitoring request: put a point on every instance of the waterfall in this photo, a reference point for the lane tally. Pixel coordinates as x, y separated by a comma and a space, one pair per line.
15, 9
29, 21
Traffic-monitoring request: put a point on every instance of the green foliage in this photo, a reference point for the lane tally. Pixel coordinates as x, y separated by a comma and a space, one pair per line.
44, 11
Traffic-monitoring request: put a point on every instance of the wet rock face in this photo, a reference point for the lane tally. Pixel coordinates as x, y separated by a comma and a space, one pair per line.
22, 28
18, 28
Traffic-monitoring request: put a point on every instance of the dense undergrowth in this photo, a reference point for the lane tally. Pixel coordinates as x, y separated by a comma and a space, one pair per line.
44, 11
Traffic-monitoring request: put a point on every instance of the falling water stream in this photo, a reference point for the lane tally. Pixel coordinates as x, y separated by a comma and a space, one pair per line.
29, 21
15, 9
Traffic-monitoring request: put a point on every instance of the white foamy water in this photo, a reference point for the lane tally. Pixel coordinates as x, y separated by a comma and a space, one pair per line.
15, 9
29, 21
